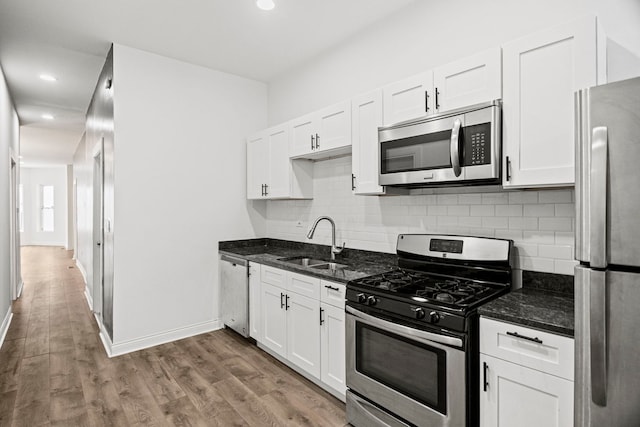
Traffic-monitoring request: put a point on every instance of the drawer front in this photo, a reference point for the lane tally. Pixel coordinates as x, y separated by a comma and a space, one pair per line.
303, 285
332, 293
273, 276
543, 351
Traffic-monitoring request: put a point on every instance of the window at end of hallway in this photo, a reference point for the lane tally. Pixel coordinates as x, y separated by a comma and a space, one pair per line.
46, 207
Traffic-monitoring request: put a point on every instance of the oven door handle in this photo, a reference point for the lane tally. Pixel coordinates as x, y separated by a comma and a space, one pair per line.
404, 330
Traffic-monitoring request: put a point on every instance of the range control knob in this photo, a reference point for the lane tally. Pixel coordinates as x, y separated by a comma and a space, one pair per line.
362, 298
434, 317
371, 300
419, 313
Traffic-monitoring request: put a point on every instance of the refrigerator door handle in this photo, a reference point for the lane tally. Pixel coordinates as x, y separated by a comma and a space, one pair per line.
598, 335
598, 198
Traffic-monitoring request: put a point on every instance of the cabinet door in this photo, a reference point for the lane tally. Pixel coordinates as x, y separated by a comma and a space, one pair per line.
274, 319
303, 133
333, 347
409, 98
334, 127
366, 114
279, 182
303, 333
257, 165
468, 81
254, 301
519, 396
541, 72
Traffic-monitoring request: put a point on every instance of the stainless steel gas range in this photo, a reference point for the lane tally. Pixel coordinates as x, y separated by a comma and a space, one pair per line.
412, 333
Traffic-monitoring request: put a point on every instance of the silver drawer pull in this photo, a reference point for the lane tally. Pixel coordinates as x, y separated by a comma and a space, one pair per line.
517, 335
333, 288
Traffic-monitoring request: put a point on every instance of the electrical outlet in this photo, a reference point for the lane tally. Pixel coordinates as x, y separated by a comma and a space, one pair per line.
299, 224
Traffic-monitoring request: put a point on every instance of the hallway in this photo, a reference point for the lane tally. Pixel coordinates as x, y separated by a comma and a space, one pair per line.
54, 370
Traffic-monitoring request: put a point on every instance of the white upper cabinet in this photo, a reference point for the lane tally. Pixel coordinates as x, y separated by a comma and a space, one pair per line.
325, 133
541, 73
366, 114
469, 81
270, 172
408, 99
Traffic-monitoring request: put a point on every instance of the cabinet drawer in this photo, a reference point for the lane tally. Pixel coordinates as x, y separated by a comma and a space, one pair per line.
535, 349
303, 285
332, 293
273, 276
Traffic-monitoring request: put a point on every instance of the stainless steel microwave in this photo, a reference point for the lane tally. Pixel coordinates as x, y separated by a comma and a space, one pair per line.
458, 147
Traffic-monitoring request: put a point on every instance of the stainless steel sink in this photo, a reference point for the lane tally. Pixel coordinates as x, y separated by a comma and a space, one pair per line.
303, 261
330, 266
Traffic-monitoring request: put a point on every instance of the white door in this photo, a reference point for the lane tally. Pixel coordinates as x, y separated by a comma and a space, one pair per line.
257, 165
279, 163
98, 232
14, 234
303, 135
332, 344
334, 127
469, 81
541, 72
366, 114
523, 397
303, 333
274, 319
409, 98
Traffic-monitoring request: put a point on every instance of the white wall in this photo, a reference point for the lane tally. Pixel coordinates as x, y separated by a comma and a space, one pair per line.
418, 38
180, 184
415, 39
32, 178
9, 140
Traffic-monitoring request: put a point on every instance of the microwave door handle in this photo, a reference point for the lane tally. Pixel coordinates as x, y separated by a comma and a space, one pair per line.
455, 147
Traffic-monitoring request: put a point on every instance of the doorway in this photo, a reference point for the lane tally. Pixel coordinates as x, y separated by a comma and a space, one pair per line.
14, 233
98, 230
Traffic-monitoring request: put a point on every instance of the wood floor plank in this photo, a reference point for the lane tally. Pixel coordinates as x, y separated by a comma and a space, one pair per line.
181, 412
32, 401
7, 402
164, 388
11, 355
37, 341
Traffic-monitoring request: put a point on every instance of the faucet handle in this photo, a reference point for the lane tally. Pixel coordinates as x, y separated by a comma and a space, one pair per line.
338, 249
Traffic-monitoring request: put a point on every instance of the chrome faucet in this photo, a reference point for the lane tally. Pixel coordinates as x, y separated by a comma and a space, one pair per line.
334, 249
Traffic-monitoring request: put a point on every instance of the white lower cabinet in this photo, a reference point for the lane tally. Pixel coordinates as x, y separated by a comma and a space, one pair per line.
255, 330
526, 376
523, 397
302, 321
332, 348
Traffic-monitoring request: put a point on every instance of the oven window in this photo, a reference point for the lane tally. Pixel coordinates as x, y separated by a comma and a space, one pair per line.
421, 152
414, 369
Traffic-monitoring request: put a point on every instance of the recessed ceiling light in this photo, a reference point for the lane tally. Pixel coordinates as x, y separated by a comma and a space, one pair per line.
47, 116
48, 77
265, 4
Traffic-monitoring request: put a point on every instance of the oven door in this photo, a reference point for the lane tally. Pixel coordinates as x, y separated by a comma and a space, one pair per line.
416, 375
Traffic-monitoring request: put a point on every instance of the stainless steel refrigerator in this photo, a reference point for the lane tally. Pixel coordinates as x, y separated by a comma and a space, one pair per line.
607, 280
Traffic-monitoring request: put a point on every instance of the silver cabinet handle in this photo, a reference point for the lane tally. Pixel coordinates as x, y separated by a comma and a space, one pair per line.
598, 198
312, 141
317, 141
455, 147
598, 335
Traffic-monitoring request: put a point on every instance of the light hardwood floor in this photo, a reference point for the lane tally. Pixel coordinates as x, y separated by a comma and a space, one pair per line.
54, 370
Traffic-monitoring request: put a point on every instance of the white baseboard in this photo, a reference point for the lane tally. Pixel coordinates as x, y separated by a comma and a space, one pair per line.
20, 288
4, 328
157, 339
82, 271
89, 298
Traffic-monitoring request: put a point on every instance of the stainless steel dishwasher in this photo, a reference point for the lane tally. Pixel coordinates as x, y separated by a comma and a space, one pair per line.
234, 293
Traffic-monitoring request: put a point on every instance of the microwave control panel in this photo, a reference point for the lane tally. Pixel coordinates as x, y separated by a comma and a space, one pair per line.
477, 144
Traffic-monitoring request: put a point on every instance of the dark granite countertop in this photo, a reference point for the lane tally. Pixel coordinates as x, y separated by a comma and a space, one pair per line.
544, 302
268, 251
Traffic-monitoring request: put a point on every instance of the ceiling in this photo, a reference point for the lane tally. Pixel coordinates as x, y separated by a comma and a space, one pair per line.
70, 39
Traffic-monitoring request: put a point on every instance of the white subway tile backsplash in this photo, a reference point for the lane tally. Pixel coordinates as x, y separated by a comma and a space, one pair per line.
482, 210
539, 210
509, 210
556, 196
540, 222
555, 224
